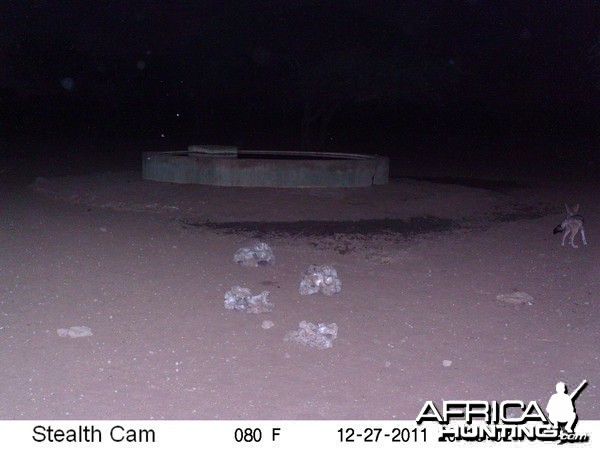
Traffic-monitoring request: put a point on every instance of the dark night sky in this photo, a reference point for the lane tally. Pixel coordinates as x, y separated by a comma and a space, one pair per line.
250, 71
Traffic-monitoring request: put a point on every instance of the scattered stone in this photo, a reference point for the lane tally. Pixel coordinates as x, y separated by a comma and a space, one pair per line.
241, 299
315, 336
258, 254
74, 332
322, 279
266, 324
516, 298
446, 363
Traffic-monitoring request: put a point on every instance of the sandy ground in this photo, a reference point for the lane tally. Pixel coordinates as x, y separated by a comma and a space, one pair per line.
145, 265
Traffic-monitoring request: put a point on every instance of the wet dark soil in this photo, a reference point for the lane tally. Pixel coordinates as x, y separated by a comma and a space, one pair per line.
413, 226
398, 227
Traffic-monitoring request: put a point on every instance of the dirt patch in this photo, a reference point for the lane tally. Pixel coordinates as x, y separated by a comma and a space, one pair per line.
494, 185
522, 212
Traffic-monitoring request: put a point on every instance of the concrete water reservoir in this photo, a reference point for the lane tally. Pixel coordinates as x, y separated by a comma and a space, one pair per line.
228, 166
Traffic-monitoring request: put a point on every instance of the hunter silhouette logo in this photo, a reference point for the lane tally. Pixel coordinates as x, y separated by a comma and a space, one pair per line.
508, 420
561, 406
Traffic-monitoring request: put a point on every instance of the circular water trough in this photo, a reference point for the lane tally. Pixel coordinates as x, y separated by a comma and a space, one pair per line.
228, 166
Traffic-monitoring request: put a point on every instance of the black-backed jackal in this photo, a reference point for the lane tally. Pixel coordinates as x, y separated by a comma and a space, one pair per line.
571, 226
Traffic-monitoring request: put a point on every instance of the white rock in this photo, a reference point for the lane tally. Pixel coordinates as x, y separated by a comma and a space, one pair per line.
258, 254
516, 298
74, 332
323, 279
266, 324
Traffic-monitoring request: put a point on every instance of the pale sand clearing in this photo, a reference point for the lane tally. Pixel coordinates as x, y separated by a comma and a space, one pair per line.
418, 317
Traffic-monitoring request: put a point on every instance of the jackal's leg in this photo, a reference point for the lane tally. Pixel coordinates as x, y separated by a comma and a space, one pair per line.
572, 240
565, 234
583, 236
